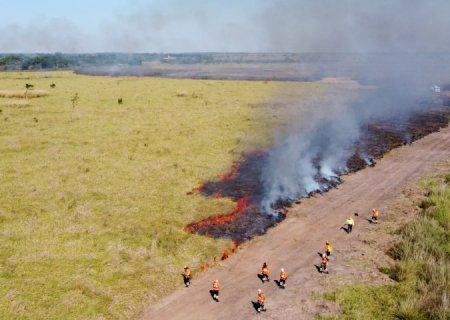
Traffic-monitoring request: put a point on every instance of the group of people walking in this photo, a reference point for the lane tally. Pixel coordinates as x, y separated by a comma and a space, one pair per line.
265, 271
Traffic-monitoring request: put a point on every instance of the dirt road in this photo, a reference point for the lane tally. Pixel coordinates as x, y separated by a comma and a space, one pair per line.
294, 244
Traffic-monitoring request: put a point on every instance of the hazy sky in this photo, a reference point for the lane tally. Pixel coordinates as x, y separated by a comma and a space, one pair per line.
224, 25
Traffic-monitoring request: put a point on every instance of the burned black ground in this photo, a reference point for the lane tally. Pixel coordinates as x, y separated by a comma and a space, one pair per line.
244, 180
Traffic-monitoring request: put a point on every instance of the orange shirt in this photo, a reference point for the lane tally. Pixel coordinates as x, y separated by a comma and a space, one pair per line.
265, 271
261, 298
216, 285
187, 272
283, 275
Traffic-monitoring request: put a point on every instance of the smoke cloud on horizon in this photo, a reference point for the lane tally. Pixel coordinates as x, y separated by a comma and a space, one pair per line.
242, 26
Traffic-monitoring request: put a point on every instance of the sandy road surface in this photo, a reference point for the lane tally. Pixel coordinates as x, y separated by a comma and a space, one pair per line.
294, 243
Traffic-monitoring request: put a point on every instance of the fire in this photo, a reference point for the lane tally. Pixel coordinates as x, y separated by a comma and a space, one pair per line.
228, 252
233, 172
197, 188
241, 206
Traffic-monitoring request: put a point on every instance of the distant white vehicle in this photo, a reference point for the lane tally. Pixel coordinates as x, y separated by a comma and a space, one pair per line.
169, 58
436, 88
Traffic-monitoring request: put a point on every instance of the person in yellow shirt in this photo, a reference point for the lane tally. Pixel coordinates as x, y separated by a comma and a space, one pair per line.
328, 249
350, 223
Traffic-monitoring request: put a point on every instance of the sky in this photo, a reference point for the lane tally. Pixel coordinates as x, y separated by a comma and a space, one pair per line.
31, 26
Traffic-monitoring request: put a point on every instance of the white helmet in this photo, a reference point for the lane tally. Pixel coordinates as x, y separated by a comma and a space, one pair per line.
259, 291
282, 270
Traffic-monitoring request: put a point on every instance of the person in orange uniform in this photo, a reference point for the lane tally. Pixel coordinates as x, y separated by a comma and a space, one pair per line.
375, 214
328, 249
265, 272
216, 289
324, 264
187, 276
283, 278
261, 300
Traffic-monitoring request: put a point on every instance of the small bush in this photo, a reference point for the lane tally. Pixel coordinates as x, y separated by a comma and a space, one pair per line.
182, 93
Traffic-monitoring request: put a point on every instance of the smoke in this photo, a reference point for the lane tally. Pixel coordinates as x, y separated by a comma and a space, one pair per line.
396, 39
280, 26
232, 26
43, 35
358, 26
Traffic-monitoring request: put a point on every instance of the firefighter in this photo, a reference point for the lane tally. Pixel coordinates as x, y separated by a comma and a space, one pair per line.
328, 248
265, 272
324, 264
375, 214
283, 278
261, 300
350, 223
215, 290
187, 276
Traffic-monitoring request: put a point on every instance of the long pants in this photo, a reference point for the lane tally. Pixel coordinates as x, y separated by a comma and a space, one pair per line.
349, 228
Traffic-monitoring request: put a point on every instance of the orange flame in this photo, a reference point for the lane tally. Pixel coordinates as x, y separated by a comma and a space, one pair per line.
231, 175
241, 206
229, 251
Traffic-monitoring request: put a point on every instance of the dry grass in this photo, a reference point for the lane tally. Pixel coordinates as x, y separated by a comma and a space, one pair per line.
30, 94
93, 199
19, 103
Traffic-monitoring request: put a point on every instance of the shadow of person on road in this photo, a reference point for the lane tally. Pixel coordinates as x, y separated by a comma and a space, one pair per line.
261, 277
318, 268
279, 284
255, 305
211, 292
345, 229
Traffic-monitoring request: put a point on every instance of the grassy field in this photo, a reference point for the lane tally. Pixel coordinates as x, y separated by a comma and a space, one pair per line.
422, 271
93, 192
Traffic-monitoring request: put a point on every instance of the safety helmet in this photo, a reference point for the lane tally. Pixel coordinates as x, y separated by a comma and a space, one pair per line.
259, 291
326, 242
282, 270
185, 267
